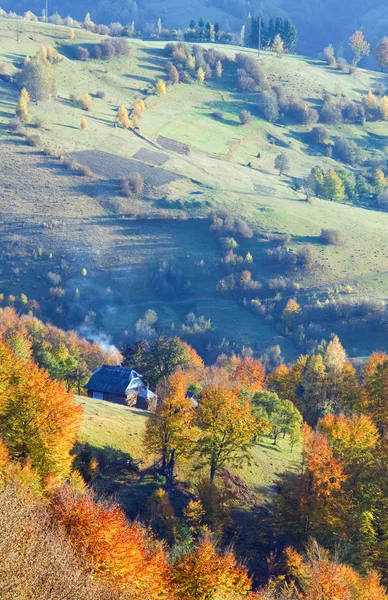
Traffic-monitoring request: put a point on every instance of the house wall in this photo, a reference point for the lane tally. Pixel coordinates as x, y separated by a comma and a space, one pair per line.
118, 398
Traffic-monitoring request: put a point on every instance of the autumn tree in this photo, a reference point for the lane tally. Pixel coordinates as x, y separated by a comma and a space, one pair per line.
317, 576
246, 372
278, 45
282, 163
333, 187
38, 419
219, 68
170, 431
122, 117
37, 77
118, 552
160, 87
383, 108
375, 391
359, 46
87, 102
227, 427
83, 123
173, 74
203, 574
22, 108
381, 53
200, 75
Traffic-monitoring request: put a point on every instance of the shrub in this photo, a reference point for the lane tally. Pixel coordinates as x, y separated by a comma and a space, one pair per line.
32, 139
331, 237
17, 127
218, 114
82, 53
348, 151
331, 113
100, 94
132, 185
245, 117
382, 199
268, 106
320, 135
306, 257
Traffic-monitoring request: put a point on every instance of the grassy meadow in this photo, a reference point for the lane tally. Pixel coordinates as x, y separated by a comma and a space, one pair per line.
113, 427
86, 223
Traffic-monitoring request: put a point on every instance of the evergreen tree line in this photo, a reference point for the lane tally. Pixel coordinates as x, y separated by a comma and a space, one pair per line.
269, 30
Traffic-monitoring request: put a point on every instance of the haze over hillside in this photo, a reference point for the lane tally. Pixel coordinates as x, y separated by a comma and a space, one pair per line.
318, 22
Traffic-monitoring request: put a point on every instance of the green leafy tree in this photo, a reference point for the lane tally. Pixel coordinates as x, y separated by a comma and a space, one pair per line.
282, 415
37, 78
333, 187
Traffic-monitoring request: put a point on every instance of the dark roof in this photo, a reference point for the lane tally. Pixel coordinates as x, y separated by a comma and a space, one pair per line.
113, 380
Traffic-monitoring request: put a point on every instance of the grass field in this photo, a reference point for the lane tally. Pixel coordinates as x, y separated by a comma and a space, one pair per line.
107, 425
79, 219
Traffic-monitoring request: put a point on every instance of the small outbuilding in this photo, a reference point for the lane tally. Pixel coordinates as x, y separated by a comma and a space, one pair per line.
121, 385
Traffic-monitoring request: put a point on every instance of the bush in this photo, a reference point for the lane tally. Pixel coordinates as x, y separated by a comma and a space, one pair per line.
331, 113
82, 53
320, 135
218, 114
268, 106
245, 117
382, 199
32, 139
132, 185
306, 257
100, 94
17, 127
348, 151
331, 237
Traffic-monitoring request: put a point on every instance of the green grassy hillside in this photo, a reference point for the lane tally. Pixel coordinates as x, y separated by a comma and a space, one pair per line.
58, 217
109, 427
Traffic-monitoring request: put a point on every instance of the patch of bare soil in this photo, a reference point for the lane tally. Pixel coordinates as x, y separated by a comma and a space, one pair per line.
169, 144
148, 156
112, 166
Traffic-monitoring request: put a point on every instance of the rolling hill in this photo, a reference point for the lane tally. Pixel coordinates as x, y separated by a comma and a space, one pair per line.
56, 221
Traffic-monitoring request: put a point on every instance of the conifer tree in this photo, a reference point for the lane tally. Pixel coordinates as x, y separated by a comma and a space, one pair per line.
160, 87
200, 75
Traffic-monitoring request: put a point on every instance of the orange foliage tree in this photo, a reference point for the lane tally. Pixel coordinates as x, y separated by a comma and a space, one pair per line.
206, 575
248, 373
120, 553
38, 418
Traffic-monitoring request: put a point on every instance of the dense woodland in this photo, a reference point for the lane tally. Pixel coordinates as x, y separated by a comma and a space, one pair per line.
322, 536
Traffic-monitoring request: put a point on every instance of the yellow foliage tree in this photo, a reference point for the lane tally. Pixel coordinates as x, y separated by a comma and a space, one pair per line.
383, 109
22, 109
190, 63
200, 75
219, 68
84, 123
123, 118
71, 34
24, 94
87, 102
160, 87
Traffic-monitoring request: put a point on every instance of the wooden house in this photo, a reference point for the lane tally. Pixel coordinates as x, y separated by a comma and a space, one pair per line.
121, 385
